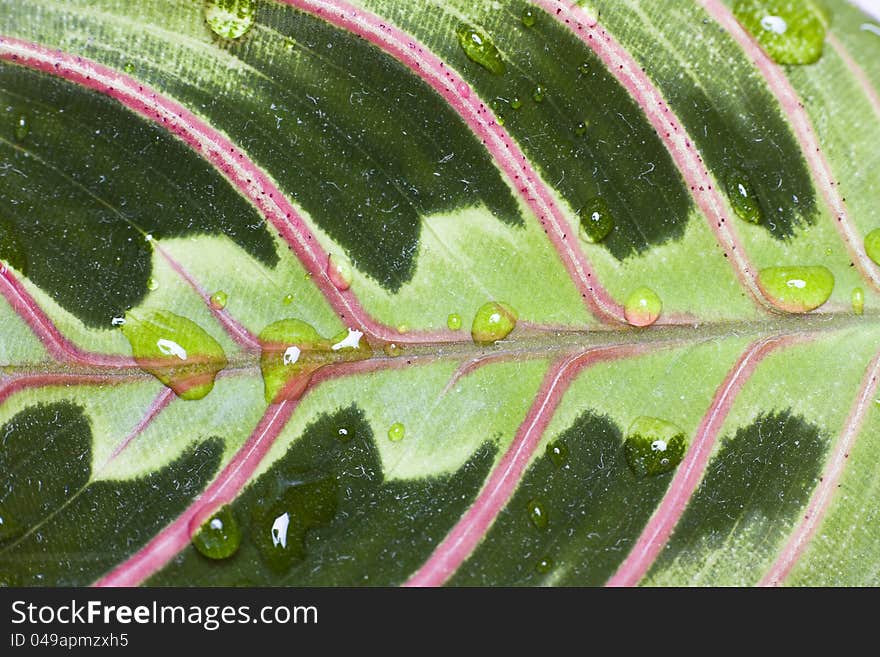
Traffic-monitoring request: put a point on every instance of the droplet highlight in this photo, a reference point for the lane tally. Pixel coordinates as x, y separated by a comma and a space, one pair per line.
595, 219
479, 48
174, 349
218, 537
230, 19
790, 31
653, 446
796, 289
494, 321
642, 307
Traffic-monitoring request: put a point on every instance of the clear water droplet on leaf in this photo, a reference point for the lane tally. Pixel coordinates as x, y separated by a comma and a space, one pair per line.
494, 321
230, 19
858, 301
596, 221
529, 17
453, 321
218, 300
790, 31
218, 537
642, 307
479, 48
743, 199
537, 513
653, 446
796, 289
396, 432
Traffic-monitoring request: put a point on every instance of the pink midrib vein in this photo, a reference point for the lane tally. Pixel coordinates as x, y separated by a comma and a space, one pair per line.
828, 483
689, 473
800, 122
463, 538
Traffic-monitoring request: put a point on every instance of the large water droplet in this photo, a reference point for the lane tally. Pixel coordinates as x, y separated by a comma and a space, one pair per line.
790, 31
293, 350
872, 245
22, 127
596, 221
479, 48
494, 321
340, 271
230, 19
219, 536
529, 17
642, 307
743, 199
858, 301
218, 300
396, 432
453, 321
537, 513
174, 349
281, 525
654, 446
796, 289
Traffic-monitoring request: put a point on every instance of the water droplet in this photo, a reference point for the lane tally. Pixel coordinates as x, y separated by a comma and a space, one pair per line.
596, 221
219, 536
581, 128
743, 199
584, 69
392, 349
557, 452
858, 301
287, 300
396, 432
516, 102
176, 350
654, 446
544, 565
340, 271
152, 284
872, 245
494, 321
344, 435
282, 523
529, 17
539, 93
22, 127
537, 513
479, 48
796, 289
129, 68
292, 351
230, 19
218, 300
790, 32
642, 307
453, 321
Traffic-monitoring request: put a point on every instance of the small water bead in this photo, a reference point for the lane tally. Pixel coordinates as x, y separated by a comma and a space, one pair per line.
516, 102
581, 128
558, 453
790, 31
129, 68
796, 289
176, 350
219, 537
872, 245
529, 17
537, 513
595, 219
479, 48
584, 69
22, 127
218, 300
539, 93
743, 199
453, 321
396, 432
230, 19
544, 565
343, 435
494, 321
287, 300
392, 349
642, 307
858, 301
654, 446
152, 284
340, 271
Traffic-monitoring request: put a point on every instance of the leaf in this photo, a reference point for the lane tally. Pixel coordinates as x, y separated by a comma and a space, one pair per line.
582, 301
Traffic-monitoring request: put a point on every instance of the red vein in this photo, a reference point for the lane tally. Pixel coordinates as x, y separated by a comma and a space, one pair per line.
233, 328
17, 383
690, 471
828, 483
669, 128
467, 533
165, 397
857, 72
238, 169
510, 159
800, 121
58, 346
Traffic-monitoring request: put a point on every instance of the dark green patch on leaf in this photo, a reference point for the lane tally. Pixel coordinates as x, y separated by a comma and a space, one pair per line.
593, 508
87, 185
64, 530
350, 515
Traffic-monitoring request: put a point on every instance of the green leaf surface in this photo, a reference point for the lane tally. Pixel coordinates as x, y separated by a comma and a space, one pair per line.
446, 293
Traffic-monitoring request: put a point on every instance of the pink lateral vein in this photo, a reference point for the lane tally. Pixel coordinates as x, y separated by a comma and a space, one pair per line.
473, 526
510, 159
794, 109
689, 473
238, 169
828, 483
669, 129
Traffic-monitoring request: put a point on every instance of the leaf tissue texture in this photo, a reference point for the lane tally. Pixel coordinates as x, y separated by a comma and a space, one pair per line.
466, 293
